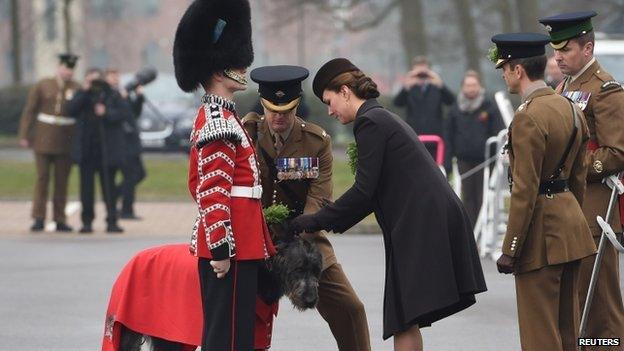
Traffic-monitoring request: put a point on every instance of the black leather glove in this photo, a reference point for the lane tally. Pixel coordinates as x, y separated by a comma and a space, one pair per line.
326, 202
506, 264
307, 223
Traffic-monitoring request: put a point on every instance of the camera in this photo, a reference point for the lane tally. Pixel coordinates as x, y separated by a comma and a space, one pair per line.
99, 89
142, 77
423, 75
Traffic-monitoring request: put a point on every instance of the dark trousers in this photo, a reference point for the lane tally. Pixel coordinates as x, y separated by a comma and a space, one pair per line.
62, 166
471, 189
341, 308
88, 168
229, 306
133, 173
548, 307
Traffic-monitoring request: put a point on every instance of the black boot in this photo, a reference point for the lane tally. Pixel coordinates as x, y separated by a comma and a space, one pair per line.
37, 225
62, 227
113, 228
129, 215
86, 229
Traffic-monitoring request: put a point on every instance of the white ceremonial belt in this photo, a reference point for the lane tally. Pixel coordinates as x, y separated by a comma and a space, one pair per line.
56, 120
252, 192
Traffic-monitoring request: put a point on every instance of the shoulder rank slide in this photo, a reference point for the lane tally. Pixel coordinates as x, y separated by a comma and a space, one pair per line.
610, 85
297, 168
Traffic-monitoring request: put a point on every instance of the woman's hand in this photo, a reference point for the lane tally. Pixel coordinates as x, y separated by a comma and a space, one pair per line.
307, 223
221, 267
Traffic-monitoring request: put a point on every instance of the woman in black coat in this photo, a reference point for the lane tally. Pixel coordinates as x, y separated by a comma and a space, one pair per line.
432, 265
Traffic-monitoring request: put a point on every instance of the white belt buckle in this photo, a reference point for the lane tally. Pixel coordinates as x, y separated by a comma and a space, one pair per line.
256, 192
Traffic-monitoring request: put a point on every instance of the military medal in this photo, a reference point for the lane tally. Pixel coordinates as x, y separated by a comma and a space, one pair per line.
297, 168
580, 98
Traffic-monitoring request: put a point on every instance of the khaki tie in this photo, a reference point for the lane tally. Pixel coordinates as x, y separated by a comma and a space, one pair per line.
279, 143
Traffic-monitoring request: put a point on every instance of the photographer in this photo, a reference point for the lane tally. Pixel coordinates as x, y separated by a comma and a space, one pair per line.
424, 93
98, 144
132, 169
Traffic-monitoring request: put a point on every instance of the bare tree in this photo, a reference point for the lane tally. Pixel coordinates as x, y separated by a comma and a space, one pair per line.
67, 24
16, 48
467, 29
359, 15
528, 13
413, 29
506, 16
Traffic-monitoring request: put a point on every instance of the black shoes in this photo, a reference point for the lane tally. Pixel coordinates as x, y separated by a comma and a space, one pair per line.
37, 225
62, 227
114, 229
126, 215
86, 229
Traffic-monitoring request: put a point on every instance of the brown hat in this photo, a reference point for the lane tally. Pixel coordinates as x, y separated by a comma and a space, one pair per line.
328, 72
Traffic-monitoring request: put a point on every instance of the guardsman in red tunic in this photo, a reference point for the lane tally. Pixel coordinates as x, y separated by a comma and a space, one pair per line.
212, 49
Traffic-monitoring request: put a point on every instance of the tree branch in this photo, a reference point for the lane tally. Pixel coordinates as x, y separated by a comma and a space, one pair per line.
373, 22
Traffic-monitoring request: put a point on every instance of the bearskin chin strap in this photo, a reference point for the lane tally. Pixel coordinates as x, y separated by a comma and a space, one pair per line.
239, 78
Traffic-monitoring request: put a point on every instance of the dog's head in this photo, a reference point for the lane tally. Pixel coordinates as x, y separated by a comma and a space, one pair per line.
297, 265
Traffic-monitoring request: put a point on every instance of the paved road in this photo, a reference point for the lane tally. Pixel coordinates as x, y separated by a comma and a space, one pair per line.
54, 292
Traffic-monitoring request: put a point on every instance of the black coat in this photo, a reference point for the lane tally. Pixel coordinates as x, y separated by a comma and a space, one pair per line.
89, 142
432, 265
467, 132
131, 129
424, 108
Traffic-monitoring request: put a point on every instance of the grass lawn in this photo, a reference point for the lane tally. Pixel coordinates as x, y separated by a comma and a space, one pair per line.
8, 140
166, 180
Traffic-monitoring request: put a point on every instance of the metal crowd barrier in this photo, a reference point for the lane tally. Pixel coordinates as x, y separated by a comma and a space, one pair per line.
492, 220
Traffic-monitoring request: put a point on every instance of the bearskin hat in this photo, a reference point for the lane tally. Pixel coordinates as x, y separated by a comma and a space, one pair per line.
212, 35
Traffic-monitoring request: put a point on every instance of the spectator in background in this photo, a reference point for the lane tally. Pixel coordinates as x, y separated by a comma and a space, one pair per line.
45, 127
471, 121
553, 75
132, 168
98, 144
424, 93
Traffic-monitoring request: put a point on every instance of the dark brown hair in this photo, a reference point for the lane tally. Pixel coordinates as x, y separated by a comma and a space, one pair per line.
583, 39
420, 60
362, 86
472, 73
533, 66
111, 71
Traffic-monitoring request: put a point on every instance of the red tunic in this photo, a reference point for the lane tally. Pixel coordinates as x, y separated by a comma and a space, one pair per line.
223, 156
157, 293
